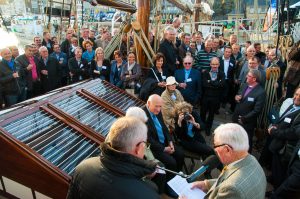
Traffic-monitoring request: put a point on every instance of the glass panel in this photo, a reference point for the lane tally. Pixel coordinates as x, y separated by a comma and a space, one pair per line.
93, 115
56, 142
109, 94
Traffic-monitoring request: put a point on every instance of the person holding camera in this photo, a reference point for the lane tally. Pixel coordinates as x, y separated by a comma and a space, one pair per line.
187, 129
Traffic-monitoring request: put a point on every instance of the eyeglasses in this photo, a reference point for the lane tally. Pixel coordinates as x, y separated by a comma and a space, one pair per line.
216, 146
147, 144
187, 63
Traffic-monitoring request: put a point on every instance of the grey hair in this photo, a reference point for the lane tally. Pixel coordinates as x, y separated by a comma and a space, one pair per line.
188, 56
126, 133
43, 48
209, 40
169, 28
233, 135
3, 49
273, 50
27, 46
251, 46
153, 97
137, 112
78, 48
256, 73
215, 59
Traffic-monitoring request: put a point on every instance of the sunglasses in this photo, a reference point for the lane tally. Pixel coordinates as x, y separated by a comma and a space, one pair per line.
187, 63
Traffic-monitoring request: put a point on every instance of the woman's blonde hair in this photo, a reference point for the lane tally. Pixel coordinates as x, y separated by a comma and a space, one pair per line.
96, 51
179, 107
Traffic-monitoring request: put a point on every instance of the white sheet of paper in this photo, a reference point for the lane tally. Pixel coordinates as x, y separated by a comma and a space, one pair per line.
182, 187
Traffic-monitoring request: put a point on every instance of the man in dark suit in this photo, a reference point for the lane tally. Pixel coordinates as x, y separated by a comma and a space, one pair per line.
290, 188
79, 67
213, 83
62, 59
66, 45
189, 80
47, 42
32, 69
50, 71
11, 79
227, 66
159, 137
250, 103
275, 61
168, 49
283, 133
236, 54
85, 36
184, 47
198, 40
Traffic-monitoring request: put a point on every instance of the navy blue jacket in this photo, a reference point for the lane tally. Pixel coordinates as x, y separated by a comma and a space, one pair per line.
192, 92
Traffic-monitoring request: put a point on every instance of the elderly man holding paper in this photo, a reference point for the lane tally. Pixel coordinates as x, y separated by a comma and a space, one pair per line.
242, 176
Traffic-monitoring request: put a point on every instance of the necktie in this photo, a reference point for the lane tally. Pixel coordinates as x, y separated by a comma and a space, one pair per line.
158, 127
292, 110
289, 112
224, 169
190, 130
214, 75
221, 175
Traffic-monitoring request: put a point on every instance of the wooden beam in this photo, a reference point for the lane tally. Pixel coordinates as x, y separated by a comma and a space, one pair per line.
197, 13
143, 15
97, 100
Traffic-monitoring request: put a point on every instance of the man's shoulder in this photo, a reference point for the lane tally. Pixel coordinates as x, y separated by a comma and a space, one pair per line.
20, 57
260, 90
195, 72
249, 177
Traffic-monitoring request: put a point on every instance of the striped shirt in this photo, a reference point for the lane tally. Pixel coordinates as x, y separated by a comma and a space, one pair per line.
202, 60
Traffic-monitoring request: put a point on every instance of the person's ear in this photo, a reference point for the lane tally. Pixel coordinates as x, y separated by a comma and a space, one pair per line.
137, 149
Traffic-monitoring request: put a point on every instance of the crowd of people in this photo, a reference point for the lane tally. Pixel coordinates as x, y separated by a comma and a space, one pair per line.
191, 79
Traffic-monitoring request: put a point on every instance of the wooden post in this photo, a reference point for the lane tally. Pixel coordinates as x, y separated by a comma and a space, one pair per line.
143, 15
197, 13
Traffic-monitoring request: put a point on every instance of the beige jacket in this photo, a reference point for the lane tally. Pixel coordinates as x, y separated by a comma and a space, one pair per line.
168, 107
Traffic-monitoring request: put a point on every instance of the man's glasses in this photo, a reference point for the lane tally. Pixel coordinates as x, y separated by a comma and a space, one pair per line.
187, 63
219, 145
147, 144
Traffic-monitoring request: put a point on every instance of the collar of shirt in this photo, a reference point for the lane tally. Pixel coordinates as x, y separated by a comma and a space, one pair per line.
151, 114
296, 107
187, 71
235, 162
31, 59
10, 63
227, 60
214, 71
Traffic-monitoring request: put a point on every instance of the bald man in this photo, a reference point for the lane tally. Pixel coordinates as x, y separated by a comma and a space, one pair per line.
213, 82
11, 79
162, 146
